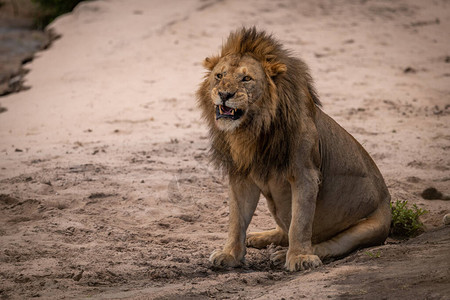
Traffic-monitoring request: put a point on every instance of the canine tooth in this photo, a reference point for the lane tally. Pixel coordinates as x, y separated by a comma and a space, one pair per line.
232, 112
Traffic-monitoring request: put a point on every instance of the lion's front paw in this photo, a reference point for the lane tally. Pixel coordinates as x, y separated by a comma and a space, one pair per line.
302, 262
221, 259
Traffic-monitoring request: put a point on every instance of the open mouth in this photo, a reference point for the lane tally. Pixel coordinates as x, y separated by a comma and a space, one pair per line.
223, 111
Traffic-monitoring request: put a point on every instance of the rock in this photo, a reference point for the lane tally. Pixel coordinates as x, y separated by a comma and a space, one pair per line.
431, 194
78, 276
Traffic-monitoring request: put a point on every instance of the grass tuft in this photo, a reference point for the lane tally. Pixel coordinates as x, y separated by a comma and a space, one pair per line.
373, 255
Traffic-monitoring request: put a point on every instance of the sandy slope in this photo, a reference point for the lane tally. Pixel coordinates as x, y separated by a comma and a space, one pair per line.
105, 186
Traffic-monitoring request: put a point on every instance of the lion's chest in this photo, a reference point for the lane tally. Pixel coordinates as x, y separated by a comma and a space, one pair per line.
276, 188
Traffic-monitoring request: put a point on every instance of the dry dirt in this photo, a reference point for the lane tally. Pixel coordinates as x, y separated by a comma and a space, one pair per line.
105, 187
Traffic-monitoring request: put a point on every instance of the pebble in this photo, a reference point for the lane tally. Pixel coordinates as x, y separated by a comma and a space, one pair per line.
446, 219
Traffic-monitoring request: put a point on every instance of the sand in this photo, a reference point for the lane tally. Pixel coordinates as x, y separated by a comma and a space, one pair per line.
106, 190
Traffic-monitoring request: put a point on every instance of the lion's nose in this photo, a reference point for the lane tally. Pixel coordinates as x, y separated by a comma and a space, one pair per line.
226, 96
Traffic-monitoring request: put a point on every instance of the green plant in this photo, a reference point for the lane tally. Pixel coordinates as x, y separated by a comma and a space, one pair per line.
405, 221
50, 9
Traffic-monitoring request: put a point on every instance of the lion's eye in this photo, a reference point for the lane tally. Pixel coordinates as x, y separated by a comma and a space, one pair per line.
219, 76
247, 78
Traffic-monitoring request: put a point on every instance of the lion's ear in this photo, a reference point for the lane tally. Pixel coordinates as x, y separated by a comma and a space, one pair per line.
210, 62
274, 68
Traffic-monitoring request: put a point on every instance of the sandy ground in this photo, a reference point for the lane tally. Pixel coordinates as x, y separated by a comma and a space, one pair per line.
105, 186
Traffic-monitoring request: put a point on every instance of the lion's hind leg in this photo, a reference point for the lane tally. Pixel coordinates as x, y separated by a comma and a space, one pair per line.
261, 240
368, 232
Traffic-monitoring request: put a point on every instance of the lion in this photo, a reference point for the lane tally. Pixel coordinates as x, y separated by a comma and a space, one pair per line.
270, 137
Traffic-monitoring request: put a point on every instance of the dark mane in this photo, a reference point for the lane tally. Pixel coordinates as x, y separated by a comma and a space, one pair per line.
258, 43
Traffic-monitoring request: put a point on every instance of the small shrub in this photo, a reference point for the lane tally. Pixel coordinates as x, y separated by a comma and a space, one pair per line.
405, 221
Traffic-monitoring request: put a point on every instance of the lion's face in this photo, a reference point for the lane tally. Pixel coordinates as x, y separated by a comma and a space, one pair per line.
237, 85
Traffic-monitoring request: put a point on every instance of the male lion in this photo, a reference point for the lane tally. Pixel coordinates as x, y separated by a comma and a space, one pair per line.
268, 133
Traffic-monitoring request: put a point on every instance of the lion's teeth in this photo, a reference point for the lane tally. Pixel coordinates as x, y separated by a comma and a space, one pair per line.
232, 112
